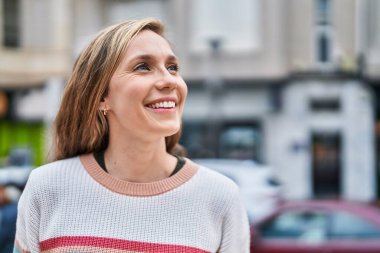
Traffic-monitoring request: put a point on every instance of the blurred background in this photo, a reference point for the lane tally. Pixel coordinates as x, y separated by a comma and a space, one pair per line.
293, 85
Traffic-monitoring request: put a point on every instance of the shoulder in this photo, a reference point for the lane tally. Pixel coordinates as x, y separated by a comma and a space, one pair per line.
217, 182
217, 177
54, 170
53, 179
65, 164
215, 190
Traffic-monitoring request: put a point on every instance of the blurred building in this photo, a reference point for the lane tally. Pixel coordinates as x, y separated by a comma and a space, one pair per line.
35, 57
286, 84
292, 84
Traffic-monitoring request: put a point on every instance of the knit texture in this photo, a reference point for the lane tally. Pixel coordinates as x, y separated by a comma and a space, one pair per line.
73, 205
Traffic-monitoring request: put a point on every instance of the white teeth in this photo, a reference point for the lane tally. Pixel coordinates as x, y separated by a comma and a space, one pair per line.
165, 104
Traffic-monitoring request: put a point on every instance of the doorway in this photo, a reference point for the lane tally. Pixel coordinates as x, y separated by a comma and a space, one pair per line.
326, 165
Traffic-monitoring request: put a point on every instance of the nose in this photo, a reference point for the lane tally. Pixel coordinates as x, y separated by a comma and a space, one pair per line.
166, 80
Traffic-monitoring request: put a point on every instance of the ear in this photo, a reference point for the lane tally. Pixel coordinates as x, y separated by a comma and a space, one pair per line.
103, 105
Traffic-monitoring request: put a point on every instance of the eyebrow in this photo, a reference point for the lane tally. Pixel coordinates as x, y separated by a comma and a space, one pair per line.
149, 57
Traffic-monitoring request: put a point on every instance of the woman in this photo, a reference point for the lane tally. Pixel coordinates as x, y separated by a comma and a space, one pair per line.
116, 184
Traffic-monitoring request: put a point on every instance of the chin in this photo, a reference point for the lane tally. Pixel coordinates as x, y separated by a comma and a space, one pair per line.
166, 128
171, 130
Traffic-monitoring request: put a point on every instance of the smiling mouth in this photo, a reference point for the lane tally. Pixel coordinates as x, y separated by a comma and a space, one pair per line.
162, 105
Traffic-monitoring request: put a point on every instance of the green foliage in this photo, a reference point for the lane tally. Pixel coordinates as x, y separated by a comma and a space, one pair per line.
30, 135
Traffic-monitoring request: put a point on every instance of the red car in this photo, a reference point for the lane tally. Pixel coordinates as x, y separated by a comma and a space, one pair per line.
318, 227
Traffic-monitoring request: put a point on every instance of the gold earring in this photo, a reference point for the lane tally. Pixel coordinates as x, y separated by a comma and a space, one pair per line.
105, 111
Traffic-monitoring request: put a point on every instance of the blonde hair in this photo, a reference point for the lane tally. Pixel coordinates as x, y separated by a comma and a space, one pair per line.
80, 127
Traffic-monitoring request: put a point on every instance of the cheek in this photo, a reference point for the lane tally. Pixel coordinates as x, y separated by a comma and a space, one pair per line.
136, 92
136, 87
126, 94
183, 91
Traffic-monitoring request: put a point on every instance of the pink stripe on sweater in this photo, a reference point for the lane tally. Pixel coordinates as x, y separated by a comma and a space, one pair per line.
102, 242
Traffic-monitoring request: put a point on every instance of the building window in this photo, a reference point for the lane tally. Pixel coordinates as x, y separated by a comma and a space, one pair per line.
11, 23
235, 24
373, 30
325, 105
225, 140
323, 26
241, 142
323, 8
323, 48
196, 140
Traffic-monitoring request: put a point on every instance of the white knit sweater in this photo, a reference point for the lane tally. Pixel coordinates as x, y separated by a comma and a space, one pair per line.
72, 205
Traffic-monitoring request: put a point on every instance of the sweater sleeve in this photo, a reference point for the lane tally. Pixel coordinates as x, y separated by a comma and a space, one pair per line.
26, 239
236, 235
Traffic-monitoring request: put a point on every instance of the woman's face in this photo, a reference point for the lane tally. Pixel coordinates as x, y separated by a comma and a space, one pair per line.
146, 93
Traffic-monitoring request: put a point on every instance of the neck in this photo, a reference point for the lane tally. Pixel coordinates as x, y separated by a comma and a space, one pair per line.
138, 161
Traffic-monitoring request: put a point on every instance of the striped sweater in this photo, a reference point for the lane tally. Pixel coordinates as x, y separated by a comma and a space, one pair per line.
73, 205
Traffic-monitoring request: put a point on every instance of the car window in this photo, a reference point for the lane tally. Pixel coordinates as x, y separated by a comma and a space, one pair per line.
345, 225
303, 226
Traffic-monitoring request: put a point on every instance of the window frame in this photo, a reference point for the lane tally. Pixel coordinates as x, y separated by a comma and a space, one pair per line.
11, 30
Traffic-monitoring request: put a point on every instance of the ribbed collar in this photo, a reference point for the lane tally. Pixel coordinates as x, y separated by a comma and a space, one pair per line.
137, 189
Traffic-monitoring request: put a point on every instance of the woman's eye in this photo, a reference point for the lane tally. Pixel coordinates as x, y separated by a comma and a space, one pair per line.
142, 67
173, 68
